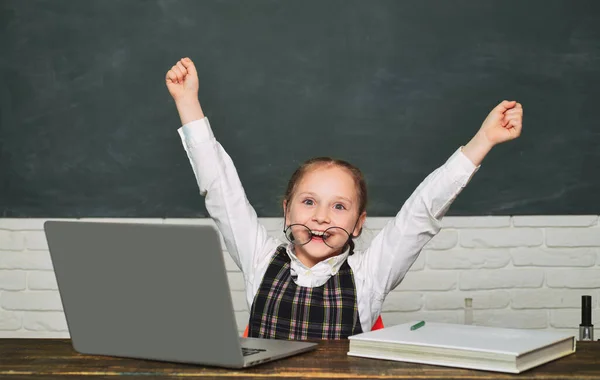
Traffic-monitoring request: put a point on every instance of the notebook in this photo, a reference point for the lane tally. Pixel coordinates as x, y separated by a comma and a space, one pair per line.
465, 346
152, 291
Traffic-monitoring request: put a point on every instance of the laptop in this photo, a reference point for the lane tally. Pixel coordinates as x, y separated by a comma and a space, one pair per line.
152, 291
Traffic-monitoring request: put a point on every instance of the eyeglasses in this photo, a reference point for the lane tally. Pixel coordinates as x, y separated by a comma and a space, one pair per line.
333, 237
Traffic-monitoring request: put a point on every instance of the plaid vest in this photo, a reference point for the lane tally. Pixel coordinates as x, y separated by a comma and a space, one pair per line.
283, 310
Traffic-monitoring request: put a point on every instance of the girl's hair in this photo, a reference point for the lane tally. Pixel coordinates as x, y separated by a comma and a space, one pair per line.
319, 162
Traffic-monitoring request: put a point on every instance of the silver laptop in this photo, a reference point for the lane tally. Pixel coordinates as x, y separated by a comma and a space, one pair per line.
152, 291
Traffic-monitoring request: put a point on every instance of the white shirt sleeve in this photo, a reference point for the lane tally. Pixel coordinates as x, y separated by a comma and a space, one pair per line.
247, 240
382, 266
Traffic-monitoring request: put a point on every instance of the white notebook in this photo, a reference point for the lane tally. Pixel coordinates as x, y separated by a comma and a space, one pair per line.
465, 346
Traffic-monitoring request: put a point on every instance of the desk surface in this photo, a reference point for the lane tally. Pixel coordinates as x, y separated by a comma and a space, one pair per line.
44, 358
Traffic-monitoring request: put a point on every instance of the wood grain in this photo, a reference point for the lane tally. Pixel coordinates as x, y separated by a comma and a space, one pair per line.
55, 358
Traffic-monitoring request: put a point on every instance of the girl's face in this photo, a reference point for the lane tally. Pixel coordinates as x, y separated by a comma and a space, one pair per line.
325, 197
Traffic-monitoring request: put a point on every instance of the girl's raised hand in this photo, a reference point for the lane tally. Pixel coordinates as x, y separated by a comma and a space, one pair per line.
504, 123
182, 80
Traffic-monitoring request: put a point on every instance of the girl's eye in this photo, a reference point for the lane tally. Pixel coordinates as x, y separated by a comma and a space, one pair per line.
339, 206
308, 202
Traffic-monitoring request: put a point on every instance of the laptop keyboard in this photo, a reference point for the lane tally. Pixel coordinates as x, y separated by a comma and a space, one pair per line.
251, 351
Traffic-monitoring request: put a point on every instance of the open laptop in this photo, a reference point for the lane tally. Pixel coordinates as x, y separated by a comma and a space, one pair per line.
152, 291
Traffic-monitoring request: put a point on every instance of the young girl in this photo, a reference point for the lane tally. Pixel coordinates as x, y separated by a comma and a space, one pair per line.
315, 285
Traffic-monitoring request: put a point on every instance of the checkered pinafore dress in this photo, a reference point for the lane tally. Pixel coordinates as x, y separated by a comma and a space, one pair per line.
283, 310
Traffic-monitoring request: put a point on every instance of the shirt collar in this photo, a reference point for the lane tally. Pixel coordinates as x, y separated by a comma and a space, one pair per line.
318, 274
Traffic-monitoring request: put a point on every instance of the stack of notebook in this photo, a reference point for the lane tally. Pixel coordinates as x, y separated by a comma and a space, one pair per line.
465, 346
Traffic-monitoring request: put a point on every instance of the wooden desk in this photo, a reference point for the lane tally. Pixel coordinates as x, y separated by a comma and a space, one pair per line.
46, 358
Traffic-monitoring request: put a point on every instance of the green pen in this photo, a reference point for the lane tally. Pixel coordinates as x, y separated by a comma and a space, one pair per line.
417, 325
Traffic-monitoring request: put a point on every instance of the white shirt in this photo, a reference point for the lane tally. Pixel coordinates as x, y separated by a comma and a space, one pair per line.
377, 270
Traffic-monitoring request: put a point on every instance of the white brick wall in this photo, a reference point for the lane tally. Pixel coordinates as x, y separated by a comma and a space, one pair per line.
522, 271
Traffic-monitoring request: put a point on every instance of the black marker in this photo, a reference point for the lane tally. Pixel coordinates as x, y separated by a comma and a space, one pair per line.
586, 329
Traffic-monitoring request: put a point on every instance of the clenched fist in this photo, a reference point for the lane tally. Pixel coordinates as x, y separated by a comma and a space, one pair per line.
504, 123
182, 80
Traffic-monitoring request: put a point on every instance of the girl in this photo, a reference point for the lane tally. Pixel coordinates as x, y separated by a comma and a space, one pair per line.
315, 285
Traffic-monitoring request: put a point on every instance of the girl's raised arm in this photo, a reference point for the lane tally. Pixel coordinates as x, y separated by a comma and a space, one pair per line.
246, 239
393, 251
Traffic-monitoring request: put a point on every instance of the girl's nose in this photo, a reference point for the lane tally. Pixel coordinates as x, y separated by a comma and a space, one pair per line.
321, 215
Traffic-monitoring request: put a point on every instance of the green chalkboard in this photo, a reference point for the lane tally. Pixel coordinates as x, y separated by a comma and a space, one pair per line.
88, 129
